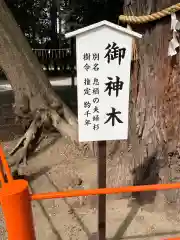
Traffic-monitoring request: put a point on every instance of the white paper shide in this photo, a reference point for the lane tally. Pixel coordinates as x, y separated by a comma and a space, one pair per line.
103, 81
174, 43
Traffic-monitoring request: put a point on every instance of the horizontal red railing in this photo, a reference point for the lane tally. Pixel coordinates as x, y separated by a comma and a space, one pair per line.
98, 191
173, 239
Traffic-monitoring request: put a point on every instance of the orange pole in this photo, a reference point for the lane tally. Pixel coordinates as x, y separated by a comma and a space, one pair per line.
76, 193
5, 165
16, 207
2, 180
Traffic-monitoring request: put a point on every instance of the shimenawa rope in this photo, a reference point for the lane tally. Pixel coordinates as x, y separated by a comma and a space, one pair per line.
151, 17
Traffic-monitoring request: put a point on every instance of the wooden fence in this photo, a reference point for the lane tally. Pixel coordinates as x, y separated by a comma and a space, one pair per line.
55, 62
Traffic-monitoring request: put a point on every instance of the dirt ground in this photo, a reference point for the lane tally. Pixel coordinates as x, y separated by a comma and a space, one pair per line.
58, 166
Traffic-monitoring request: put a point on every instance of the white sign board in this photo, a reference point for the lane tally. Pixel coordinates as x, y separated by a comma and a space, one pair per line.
103, 81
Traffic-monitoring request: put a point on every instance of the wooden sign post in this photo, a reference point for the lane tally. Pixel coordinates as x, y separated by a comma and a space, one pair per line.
101, 184
103, 55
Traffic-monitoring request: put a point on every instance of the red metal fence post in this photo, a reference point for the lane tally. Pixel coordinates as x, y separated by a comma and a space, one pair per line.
16, 207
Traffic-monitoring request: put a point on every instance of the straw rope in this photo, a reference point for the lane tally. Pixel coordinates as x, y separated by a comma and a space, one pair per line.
151, 17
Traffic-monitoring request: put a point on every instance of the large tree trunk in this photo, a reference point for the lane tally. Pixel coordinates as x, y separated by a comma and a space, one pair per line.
154, 132
33, 94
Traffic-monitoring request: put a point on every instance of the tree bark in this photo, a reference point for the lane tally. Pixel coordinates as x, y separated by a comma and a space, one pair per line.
33, 94
154, 122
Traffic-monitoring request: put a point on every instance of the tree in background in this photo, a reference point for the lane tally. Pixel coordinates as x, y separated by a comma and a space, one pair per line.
35, 101
48, 20
25, 13
41, 20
